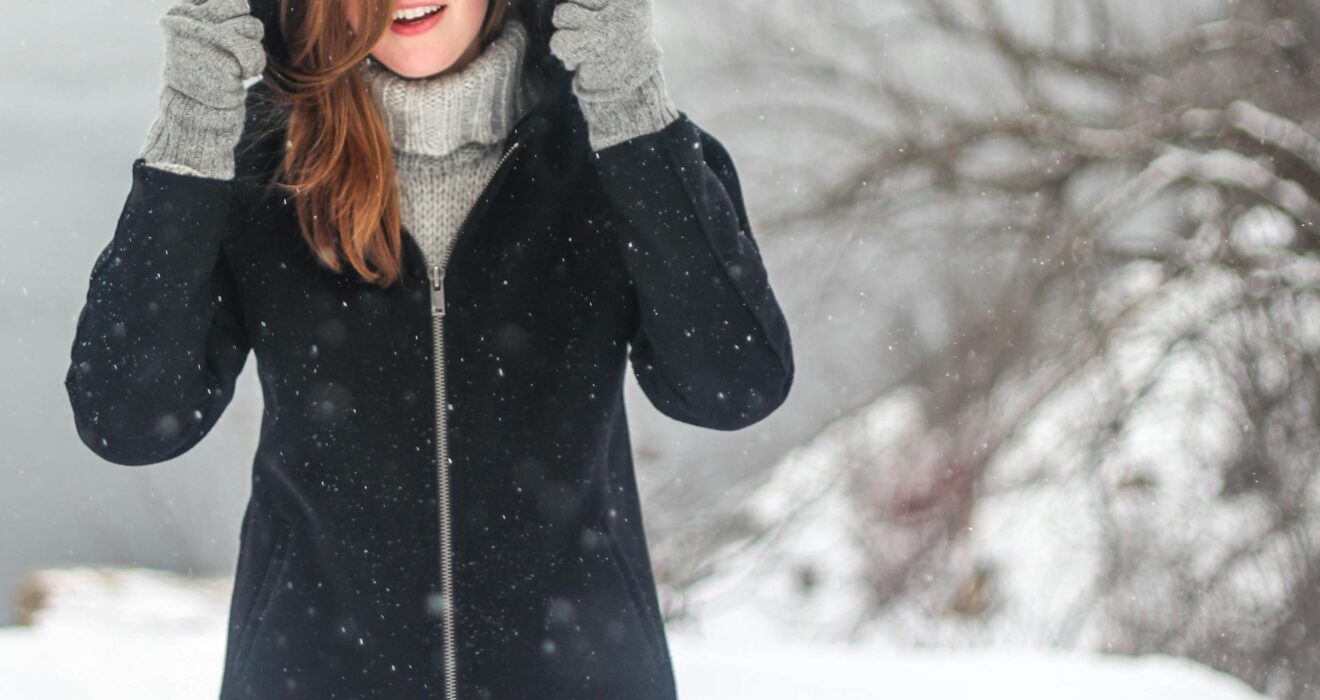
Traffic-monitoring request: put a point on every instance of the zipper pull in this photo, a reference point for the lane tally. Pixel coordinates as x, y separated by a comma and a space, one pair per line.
437, 291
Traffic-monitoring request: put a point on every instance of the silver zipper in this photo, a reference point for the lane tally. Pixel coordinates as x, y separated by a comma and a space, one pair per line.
437, 276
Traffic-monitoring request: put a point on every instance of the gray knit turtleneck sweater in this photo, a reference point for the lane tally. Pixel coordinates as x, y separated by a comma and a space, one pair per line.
448, 133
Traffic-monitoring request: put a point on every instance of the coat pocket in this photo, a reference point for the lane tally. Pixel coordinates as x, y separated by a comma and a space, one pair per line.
632, 583
596, 641
271, 578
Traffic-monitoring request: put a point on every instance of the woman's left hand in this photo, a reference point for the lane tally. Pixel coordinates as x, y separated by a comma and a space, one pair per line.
610, 46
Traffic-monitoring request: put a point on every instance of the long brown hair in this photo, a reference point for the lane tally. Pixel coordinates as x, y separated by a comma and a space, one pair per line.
338, 163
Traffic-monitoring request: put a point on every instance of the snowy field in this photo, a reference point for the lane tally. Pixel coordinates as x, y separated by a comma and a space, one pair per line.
146, 635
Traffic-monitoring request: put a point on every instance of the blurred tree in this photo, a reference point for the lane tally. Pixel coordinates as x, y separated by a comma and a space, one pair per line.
1111, 205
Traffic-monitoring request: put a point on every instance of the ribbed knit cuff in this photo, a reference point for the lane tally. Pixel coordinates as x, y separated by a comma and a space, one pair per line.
188, 135
645, 110
176, 168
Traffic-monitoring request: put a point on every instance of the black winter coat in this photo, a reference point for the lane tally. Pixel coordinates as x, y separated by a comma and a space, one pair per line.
368, 504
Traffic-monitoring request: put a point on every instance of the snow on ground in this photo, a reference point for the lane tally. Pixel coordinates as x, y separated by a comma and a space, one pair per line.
148, 635
717, 668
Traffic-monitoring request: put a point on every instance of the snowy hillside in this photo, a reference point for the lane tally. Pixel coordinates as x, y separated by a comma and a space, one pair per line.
1028, 570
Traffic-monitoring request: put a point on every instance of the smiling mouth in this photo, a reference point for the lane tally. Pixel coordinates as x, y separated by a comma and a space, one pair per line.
416, 15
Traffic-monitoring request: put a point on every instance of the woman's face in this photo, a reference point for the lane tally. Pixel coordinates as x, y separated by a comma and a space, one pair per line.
427, 37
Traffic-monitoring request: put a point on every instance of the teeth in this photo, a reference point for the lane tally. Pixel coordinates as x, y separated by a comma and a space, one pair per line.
416, 12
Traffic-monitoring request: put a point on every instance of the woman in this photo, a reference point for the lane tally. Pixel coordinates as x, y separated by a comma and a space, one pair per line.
443, 231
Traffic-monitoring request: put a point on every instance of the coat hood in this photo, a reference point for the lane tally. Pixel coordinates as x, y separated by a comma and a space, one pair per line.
535, 14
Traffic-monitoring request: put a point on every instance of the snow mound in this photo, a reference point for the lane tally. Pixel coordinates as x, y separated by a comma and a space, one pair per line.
148, 635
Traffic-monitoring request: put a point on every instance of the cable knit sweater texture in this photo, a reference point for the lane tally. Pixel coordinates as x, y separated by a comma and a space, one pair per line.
448, 131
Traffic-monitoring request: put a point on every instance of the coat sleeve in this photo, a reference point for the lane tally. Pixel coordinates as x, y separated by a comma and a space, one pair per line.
159, 342
710, 345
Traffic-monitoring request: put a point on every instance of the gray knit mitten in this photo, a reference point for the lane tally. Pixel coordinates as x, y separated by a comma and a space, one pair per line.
610, 46
211, 48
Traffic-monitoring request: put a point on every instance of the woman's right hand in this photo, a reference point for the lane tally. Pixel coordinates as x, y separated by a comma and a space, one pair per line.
212, 47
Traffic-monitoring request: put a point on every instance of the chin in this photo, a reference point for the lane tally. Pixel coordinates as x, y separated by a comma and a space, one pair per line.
422, 68
415, 63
